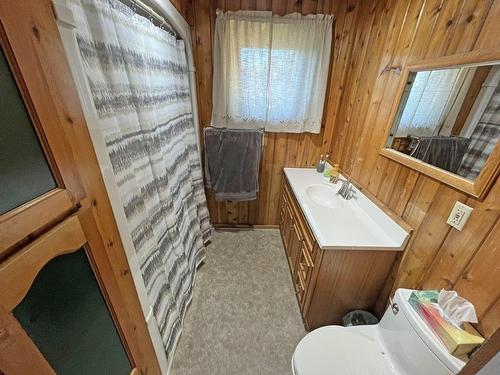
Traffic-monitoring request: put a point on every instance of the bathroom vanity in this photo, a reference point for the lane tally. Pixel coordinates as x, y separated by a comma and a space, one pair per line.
339, 251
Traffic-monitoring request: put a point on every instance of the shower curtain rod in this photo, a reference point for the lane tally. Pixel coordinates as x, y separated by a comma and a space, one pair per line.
149, 10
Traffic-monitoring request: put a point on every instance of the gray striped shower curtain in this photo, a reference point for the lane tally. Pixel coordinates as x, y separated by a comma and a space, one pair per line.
137, 74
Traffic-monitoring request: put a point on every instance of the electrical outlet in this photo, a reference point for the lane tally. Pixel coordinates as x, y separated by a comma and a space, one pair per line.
459, 215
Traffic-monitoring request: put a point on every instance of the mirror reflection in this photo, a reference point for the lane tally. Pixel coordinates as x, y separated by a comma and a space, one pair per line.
450, 118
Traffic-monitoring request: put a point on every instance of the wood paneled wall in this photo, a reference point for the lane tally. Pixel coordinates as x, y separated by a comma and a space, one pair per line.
387, 36
280, 149
373, 41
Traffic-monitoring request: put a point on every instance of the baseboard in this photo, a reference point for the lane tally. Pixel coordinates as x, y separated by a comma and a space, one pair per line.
245, 226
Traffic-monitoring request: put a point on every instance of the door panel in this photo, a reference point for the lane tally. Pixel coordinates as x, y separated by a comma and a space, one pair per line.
24, 169
27, 61
31, 43
286, 229
66, 316
295, 246
18, 354
18, 272
50, 287
35, 190
32, 216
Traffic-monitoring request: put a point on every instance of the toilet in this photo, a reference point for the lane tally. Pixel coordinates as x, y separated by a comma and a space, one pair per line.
400, 344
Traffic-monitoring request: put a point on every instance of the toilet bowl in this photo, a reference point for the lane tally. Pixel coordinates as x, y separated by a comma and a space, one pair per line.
400, 344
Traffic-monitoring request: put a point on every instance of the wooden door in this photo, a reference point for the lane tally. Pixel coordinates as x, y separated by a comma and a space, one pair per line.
74, 329
42, 102
36, 157
18, 354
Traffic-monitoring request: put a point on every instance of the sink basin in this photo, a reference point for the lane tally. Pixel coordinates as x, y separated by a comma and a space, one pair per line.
324, 196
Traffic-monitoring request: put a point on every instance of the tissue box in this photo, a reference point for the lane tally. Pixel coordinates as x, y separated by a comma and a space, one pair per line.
457, 340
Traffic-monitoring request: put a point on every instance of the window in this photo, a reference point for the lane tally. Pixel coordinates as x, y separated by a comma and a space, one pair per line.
280, 93
270, 72
432, 95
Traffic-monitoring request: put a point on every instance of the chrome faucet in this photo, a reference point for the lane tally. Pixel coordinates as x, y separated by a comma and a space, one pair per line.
345, 190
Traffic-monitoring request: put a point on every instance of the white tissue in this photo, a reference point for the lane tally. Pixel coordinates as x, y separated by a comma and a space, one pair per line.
456, 308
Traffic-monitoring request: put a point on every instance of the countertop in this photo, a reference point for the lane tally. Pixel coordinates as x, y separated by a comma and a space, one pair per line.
358, 224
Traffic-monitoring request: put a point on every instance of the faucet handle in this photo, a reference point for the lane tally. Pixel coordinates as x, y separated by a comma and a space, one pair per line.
350, 192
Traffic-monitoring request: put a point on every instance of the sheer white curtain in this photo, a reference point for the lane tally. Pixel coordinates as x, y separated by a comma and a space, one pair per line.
432, 95
270, 71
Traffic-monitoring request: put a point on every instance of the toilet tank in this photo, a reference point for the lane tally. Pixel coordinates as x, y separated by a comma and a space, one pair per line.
411, 345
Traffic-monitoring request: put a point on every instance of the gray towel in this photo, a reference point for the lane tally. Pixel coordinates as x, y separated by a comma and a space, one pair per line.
232, 161
442, 152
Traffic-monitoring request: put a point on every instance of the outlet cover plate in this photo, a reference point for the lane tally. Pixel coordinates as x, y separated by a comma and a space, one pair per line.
459, 215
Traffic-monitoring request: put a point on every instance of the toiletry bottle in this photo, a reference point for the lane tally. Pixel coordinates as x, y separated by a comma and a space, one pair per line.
334, 174
328, 167
328, 171
321, 165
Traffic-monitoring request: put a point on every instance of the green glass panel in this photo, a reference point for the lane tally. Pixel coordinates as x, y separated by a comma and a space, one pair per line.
24, 171
66, 316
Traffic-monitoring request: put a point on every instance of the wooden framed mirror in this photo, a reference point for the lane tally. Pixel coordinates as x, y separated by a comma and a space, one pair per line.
446, 121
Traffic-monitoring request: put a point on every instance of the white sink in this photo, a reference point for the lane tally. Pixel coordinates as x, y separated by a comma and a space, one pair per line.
324, 195
338, 224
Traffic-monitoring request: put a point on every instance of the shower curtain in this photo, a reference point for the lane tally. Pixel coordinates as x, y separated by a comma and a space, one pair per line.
137, 74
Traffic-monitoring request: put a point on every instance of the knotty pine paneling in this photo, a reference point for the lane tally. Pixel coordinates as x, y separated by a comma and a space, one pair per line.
373, 41
399, 32
280, 150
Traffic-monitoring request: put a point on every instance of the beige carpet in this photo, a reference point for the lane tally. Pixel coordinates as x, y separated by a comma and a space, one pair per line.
244, 317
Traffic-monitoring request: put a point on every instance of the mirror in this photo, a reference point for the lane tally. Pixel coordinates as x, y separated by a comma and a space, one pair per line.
449, 118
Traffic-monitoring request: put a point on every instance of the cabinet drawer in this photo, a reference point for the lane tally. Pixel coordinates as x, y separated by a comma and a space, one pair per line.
305, 265
300, 288
311, 251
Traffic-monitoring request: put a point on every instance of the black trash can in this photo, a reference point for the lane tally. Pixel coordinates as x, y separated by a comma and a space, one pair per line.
359, 318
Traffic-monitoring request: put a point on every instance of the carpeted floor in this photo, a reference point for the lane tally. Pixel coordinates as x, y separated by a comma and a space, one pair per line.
244, 318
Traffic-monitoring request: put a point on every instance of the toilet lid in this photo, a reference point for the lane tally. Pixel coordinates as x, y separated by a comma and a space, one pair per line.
341, 350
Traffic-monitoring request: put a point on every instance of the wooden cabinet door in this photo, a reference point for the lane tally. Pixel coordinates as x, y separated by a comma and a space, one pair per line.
297, 276
304, 270
286, 228
284, 221
296, 241
293, 241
